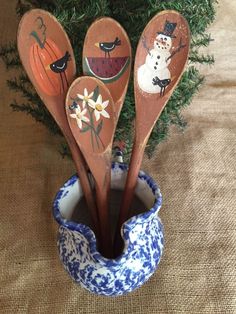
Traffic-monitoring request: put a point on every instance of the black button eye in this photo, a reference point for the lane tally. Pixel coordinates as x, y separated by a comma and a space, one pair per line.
165, 38
158, 57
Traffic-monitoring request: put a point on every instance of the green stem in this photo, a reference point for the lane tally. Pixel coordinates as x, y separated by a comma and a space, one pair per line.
42, 28
36, 37
95, 133
91, 126
92, 141
97, 136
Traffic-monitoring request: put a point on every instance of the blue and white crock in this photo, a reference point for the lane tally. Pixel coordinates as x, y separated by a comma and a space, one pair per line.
142, 234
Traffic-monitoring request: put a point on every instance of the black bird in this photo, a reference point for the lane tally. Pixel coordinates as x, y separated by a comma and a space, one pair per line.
162, 83
73, 106
60, 65
107, 47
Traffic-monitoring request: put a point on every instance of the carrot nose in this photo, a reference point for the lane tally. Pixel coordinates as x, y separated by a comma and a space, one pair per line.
161, 41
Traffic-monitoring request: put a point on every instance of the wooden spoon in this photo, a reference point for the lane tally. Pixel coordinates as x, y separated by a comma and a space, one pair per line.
160, 60
107, 56
90, 113
48, 59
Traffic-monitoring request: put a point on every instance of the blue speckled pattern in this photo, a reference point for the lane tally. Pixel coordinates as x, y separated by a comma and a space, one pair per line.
143, 236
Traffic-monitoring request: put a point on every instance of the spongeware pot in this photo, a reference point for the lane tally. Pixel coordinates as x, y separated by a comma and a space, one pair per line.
142, 235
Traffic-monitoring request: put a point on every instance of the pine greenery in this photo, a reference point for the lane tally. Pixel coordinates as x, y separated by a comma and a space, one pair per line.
77, 15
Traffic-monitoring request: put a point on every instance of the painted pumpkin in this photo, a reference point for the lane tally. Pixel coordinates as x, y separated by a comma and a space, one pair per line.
40, 59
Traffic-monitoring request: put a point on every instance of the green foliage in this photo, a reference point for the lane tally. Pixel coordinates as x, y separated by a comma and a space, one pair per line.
10, 55
77, 15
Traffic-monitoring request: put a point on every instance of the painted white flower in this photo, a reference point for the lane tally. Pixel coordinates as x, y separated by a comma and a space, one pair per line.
99, 108
86, 97
79, 116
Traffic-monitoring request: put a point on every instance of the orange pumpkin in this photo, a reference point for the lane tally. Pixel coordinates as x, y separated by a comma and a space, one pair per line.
40, 58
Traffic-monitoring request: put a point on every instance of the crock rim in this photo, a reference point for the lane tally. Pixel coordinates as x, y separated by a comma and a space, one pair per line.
88, 232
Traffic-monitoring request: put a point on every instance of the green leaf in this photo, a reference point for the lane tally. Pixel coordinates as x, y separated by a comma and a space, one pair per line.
99, 127
85, 129
95, 94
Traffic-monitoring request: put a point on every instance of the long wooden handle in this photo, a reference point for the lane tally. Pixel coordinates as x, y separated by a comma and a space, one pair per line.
131, 181
83, 176
102, 197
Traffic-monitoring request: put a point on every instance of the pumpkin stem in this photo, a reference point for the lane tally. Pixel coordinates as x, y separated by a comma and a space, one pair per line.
36, 37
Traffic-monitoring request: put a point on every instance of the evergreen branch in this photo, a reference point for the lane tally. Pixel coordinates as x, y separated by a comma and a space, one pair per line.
25, 5
194, 57
8, 49
39, 114
65, 151
11, 62
10, 56
179, 121
22, 7
202, 40
23, 88
24, 79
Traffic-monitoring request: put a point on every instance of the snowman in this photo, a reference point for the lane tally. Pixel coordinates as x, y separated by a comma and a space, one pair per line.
154, 76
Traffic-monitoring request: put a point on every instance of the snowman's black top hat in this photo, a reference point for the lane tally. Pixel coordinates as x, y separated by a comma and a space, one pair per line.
168, 29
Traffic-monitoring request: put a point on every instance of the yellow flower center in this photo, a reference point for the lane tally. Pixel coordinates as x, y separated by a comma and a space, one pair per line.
79, 116
99, 107
86, 98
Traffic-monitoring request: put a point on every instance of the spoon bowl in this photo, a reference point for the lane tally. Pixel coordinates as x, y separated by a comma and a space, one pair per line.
107, 56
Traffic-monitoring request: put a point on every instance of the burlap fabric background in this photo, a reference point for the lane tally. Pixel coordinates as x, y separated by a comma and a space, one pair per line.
196, 173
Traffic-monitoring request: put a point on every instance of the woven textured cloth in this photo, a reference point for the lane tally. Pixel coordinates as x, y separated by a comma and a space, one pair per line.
195, 170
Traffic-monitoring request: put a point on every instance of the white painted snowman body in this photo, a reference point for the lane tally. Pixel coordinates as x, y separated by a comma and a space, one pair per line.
156, 65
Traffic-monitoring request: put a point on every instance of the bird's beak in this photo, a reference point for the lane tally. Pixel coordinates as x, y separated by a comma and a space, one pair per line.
48, 67
97, 45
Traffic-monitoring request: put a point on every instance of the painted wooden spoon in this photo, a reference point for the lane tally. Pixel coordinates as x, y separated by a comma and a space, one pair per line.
48, 59
107, 56
160, 60
90, 113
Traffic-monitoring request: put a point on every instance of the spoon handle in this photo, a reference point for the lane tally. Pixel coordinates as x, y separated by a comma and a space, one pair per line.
131, 181
102, 186
81, 168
